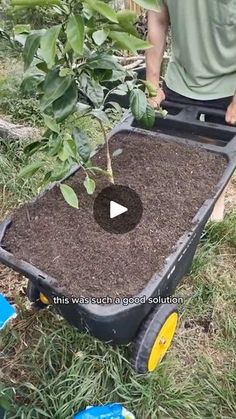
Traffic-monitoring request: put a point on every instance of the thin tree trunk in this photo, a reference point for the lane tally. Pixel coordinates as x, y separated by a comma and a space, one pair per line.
109, 164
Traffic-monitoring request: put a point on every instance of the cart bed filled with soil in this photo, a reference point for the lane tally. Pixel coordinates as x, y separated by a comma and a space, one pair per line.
172, 180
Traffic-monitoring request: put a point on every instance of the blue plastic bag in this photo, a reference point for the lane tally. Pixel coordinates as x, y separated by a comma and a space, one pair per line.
7, 311
108, 411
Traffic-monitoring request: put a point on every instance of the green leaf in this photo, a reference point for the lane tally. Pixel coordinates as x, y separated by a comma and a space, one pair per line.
115, 105
117, 152
95, 92
100, 36
54, 145
42, 66
151, 88
31, 168
138, 103
118, 75
82, 142
51, 123
128, 42
149, 4
123, 87
101, 115
66, 104
82, 108
148, 119
127, 20
30, 48
90, 185
54, 87
104, 62
75, 33
69, 195
67, 47
29, 84
68, 150
119, 92
103, 9
102, 75
48, 45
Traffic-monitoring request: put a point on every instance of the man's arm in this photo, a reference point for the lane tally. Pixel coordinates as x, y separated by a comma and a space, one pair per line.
231, 112
158, 23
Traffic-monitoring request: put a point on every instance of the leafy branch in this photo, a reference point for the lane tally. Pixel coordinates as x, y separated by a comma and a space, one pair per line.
76, 65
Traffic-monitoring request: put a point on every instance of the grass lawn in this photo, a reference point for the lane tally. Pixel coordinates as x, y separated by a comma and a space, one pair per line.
50, 370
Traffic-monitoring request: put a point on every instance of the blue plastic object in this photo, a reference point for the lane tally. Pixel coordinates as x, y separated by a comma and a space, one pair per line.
7, 311
108, 411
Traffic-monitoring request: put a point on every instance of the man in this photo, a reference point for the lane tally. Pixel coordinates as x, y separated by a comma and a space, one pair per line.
202, 69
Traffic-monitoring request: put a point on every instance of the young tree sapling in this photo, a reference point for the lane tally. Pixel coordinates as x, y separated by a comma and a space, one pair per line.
76, 63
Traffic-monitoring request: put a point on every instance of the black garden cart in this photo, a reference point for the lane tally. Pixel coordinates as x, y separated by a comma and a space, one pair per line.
150, 326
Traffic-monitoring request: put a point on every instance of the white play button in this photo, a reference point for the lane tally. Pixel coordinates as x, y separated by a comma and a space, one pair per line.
116, 209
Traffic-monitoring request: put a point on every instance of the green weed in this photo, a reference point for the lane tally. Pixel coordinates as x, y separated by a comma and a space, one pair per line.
59, 371
222, 232
14, 191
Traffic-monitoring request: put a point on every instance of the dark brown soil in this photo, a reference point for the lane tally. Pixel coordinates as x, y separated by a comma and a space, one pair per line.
172, 181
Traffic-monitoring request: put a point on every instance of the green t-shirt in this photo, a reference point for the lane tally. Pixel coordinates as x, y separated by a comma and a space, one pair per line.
203, 62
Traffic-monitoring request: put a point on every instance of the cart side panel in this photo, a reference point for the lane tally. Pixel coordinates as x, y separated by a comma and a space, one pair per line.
122, 328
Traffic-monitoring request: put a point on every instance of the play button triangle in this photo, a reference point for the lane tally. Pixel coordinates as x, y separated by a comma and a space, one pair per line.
116, 209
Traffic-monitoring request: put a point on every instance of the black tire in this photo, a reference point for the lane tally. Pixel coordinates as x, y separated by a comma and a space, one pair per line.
148, 335
33, 295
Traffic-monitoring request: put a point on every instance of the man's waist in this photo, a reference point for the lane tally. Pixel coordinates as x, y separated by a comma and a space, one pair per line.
201, 86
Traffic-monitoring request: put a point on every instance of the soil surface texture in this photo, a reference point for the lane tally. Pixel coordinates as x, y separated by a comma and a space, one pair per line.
172, 180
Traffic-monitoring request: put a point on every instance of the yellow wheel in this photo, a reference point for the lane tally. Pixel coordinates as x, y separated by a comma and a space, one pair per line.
43, 298
35, 296
154, 338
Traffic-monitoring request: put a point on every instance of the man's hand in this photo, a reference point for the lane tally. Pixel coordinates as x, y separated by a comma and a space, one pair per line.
155, 102
230, 116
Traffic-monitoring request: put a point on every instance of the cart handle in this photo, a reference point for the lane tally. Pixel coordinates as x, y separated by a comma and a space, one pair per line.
191, 112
